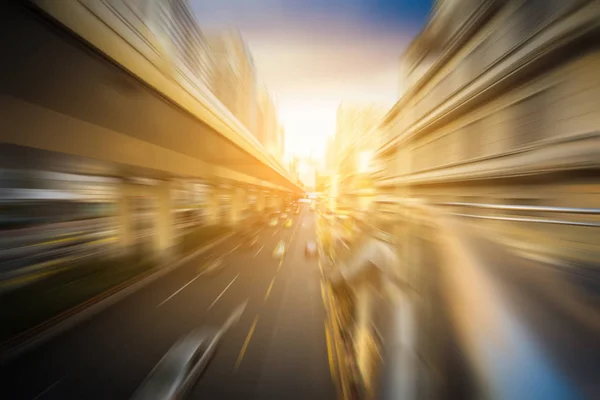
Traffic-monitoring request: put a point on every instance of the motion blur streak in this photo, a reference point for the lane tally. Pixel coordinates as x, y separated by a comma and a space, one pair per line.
422, 229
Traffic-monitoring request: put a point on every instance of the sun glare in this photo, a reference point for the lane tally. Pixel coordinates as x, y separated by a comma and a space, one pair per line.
307, 127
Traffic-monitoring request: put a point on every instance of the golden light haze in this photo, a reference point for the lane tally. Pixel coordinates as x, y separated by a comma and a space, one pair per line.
313, 55
311, 83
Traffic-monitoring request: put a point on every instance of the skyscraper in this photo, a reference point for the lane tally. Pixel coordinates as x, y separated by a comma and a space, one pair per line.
235, 79
176, 28
267, 124
355, 141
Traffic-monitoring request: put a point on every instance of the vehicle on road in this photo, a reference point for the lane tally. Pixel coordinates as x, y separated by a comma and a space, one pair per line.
179, 370
279, 249
311, 248
273, 222
288, 210
283, 216
288, 223
297, 211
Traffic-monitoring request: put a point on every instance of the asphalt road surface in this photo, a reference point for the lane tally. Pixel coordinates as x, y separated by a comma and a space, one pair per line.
277, 350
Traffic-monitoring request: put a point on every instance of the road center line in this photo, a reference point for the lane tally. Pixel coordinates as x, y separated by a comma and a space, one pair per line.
181, 288
330, 353
270, 287
49, 388
245, 346
261, 247
222, 293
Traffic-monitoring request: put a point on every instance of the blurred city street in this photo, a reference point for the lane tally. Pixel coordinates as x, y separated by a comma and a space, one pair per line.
334, 199
277, 350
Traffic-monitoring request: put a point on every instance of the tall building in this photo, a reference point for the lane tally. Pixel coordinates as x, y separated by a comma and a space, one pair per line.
262, 120
235, 80
500, 100
267, 131
187, 42
328, 176
487, 182
171, 27
280, 149
330, 154
355, 132
356, 140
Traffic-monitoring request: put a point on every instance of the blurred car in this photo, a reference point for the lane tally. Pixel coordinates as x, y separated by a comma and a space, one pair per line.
288, 223
273, 222
297, 211
279, 249
288, 209
178, 371
283, 216
311, 248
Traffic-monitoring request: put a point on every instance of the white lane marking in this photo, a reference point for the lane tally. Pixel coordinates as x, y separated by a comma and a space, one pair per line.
246, 343
270, 287
222, 293
261, 247
234, 249
274, 233
212, 266
49, 388
181, 288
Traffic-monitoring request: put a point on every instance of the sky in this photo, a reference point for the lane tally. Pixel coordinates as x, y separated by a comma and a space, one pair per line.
314, 54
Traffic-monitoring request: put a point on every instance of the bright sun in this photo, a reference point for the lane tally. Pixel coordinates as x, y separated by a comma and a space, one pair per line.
307, 127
